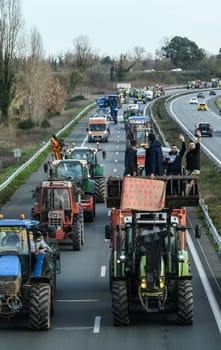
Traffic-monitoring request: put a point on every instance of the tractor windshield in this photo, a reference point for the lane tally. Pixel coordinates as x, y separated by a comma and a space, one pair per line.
56, 199
83, 154
13, 238
69, 169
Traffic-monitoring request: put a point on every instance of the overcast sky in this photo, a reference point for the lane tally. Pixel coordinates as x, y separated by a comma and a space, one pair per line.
117, 26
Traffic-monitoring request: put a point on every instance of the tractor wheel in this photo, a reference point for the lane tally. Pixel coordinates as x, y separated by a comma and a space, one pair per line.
50, 273
76, 240
120, 310
82, 226
40, 306
100, 190
184, 302
111, 271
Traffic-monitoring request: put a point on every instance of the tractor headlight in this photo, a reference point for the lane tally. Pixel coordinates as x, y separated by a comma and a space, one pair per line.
143, 284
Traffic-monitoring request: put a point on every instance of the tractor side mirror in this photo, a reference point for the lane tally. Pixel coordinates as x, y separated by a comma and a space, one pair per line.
45, 167
104, 154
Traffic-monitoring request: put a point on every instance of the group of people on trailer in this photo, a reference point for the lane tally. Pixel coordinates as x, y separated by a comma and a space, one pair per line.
157, 164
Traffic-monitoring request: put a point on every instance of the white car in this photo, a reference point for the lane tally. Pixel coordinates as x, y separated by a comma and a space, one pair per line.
193, 101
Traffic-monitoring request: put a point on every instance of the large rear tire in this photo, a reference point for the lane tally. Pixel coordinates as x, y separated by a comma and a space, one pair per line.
100, 190
40, 306
120, 311
76, 240
82, 226
184, 302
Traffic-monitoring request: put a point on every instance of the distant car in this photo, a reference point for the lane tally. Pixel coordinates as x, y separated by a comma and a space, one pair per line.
149, 70
205, 129
176, 70
212, 92
200, 95
202, 107
193, 101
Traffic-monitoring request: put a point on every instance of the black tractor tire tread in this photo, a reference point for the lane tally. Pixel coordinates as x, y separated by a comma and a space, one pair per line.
76, 240
100, 190
40, 305
82, 227
120, 311
184, 302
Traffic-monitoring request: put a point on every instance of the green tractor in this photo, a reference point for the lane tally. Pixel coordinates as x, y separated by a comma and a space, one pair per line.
96, 170
149, 262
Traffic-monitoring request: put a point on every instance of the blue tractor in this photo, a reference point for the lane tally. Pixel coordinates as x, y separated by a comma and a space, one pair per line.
114, 103
22, 289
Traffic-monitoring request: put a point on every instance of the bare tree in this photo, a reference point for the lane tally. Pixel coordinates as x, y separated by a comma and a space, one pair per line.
37, 73
37, 89
83, 52
10, 26
138, 53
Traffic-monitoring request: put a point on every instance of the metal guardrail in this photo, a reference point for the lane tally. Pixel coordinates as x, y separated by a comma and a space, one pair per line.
43, 148
212, 158
211, 227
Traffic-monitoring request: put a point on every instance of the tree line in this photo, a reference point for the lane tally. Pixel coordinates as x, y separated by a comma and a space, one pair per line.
33, 87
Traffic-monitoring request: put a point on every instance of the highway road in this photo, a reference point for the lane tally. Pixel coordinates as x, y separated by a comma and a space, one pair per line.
83, 319
188, 116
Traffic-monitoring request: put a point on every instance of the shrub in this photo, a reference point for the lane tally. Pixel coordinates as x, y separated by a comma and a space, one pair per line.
26, 124
45, 124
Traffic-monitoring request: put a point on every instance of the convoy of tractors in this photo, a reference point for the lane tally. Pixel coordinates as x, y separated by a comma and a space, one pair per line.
149, 267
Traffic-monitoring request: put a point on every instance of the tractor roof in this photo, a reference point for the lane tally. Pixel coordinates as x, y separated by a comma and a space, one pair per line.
18, 222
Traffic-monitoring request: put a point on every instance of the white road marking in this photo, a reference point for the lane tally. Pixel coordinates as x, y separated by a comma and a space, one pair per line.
103, 271
97, 324
71, 328
208, 290
77, 300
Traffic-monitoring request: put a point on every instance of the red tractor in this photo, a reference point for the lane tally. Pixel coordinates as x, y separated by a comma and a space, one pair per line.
58, 203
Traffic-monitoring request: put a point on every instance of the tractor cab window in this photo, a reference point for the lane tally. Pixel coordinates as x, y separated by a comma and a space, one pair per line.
13, 239
61, 199
83, 154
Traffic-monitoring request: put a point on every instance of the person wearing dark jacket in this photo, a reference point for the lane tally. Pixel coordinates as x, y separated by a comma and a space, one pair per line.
193, 163
173, 166
173, 162
193, 157
154, 158
130, 160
